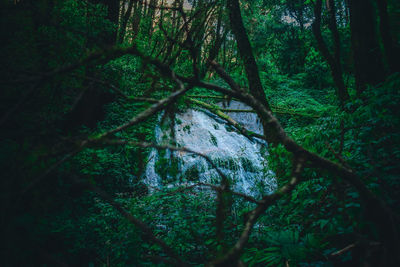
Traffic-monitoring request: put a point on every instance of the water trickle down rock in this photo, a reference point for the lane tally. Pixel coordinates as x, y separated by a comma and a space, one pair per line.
241, 159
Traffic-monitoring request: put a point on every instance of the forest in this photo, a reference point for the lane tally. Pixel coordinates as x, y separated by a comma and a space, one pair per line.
200, 133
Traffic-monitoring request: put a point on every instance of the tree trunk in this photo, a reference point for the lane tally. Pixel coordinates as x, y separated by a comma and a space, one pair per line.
392, 53
124, 21
246, 52
110, 38
334, 30
112, 15
333, 61
151, 17
368, 66
249, 61
137, 17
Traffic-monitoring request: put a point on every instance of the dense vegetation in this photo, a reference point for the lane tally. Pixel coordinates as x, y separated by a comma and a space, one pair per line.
83, 82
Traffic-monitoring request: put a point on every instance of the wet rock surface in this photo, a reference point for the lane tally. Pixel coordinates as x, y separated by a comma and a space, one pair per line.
243, 160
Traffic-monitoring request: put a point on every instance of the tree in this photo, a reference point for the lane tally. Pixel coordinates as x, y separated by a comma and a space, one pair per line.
368, 65
337, 194
333, 60
391, 50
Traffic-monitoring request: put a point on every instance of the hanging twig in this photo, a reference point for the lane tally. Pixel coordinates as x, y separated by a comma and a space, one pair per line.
146, 231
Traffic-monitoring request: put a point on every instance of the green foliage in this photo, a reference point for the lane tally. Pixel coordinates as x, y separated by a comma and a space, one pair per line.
172, 217
323, 205
167, 168
47, 118
192, 174
247, 165
227, 163
213, 140
186, 128
284, 247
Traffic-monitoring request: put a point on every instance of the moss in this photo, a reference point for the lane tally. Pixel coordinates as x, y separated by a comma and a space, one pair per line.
186, 128
227, 163
168, 169
165, 137
229, 128
162, 153
213, 139
192, 174
263, 150
158, 166
247, 165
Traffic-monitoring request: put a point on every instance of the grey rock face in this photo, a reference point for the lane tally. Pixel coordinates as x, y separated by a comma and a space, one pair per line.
241, 159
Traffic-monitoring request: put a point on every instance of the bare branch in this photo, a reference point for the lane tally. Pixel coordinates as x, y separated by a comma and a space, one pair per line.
147, 232
53, 167
103, 141
147, 113
103, 55
218, 111
343, 250
377, 209
214, 187
244, 196
137, 119
227, 78
117, 90
232, 257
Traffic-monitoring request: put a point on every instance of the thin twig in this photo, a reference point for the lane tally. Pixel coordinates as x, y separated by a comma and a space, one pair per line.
138, 223
337, 155
231, 258
212, 186
343, 250
102, 141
